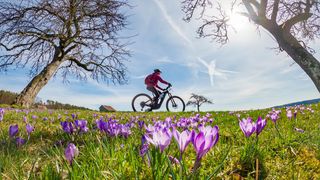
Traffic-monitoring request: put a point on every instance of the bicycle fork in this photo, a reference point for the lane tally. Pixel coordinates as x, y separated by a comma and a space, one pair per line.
173, 102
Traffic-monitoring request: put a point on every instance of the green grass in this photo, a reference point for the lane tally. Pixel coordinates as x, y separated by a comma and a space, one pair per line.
293, 155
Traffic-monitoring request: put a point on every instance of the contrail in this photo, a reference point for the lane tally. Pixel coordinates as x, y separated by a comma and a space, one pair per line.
174, 26
212, 70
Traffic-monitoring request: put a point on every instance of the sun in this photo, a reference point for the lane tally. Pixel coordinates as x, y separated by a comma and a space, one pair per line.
238, 21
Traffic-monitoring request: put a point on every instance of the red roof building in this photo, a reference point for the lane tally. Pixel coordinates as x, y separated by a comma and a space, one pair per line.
105, 108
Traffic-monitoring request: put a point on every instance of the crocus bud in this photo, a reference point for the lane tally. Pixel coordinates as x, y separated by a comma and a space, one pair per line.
71, 152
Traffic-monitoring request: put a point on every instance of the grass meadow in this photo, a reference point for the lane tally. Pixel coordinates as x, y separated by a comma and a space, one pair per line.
113, 145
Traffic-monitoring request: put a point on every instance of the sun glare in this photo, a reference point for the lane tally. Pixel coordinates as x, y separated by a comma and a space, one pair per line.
238, 21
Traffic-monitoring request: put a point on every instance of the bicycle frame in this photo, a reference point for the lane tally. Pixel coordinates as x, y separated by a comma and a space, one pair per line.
158, 105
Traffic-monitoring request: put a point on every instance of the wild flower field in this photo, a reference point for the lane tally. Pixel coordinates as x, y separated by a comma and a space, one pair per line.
263, 144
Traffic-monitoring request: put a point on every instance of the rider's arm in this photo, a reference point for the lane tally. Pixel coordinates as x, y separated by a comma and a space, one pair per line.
163, 81
159, 87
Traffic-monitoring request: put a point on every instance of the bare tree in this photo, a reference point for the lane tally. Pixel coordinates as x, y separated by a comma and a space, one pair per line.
72, 37
293, 24
198, 100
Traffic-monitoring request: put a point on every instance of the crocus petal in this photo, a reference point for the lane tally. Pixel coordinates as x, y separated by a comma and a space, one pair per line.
71, 152
215, 134
176, 134
20, 141
261, 123
185, 139
13, 130
149, 140
29, 128
247, 126
160, 138
199, 142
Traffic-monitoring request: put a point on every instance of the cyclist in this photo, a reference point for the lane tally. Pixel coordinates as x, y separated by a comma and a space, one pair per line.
152, 84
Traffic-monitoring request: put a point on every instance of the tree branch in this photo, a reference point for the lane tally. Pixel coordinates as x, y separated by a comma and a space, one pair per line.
83, 66
286, 26
275, 10
253, 15
263, 8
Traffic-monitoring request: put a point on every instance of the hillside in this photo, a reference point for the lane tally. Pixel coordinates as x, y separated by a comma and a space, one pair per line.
7, 97
306, 102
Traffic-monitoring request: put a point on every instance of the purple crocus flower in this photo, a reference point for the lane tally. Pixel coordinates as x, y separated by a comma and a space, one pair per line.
34, 117
71, 152
1, 114
144, 149
13, 130
260, 124
173, 160
150, 128
20, 141
183, 139
82, 125
160, 138
205, 140
140, 123
29, 129
295, 114
125, 131
25, 119
143, 140
247, 126
289, 114
95, 115
67, 127
102, 125
274, 117
73, 116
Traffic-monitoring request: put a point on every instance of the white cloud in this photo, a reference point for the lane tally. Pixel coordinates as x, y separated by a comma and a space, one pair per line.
164, 60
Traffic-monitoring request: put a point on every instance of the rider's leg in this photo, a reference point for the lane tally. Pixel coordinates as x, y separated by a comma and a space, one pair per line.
156, 94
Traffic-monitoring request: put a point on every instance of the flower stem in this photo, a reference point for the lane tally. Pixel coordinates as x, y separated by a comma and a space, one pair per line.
196, 166
257, 169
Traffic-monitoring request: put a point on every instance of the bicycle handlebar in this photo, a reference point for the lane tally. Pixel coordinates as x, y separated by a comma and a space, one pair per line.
167, 88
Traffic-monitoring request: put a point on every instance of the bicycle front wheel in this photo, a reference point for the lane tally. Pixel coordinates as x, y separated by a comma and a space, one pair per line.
175, 104
141, 102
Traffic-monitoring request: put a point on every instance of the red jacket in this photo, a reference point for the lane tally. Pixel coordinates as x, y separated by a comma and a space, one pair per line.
152, 80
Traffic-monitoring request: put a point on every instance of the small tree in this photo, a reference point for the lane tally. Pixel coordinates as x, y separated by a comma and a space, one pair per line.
198, 100
74, 37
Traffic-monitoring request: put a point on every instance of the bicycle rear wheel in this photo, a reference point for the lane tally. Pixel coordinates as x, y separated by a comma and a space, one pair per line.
141, 102
175, 104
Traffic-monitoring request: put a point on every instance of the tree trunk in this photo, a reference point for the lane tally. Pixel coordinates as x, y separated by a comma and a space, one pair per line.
198, 107
27, 96
299, 54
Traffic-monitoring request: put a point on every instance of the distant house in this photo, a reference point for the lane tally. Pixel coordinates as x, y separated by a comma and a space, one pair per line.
104, 108
41, 107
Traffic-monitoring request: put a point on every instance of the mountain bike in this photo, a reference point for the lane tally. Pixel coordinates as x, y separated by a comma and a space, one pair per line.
143, 102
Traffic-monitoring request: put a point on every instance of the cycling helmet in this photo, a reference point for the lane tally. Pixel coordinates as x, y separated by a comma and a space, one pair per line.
157, 71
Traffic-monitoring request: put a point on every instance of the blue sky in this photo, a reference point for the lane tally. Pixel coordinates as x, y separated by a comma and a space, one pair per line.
245, 73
